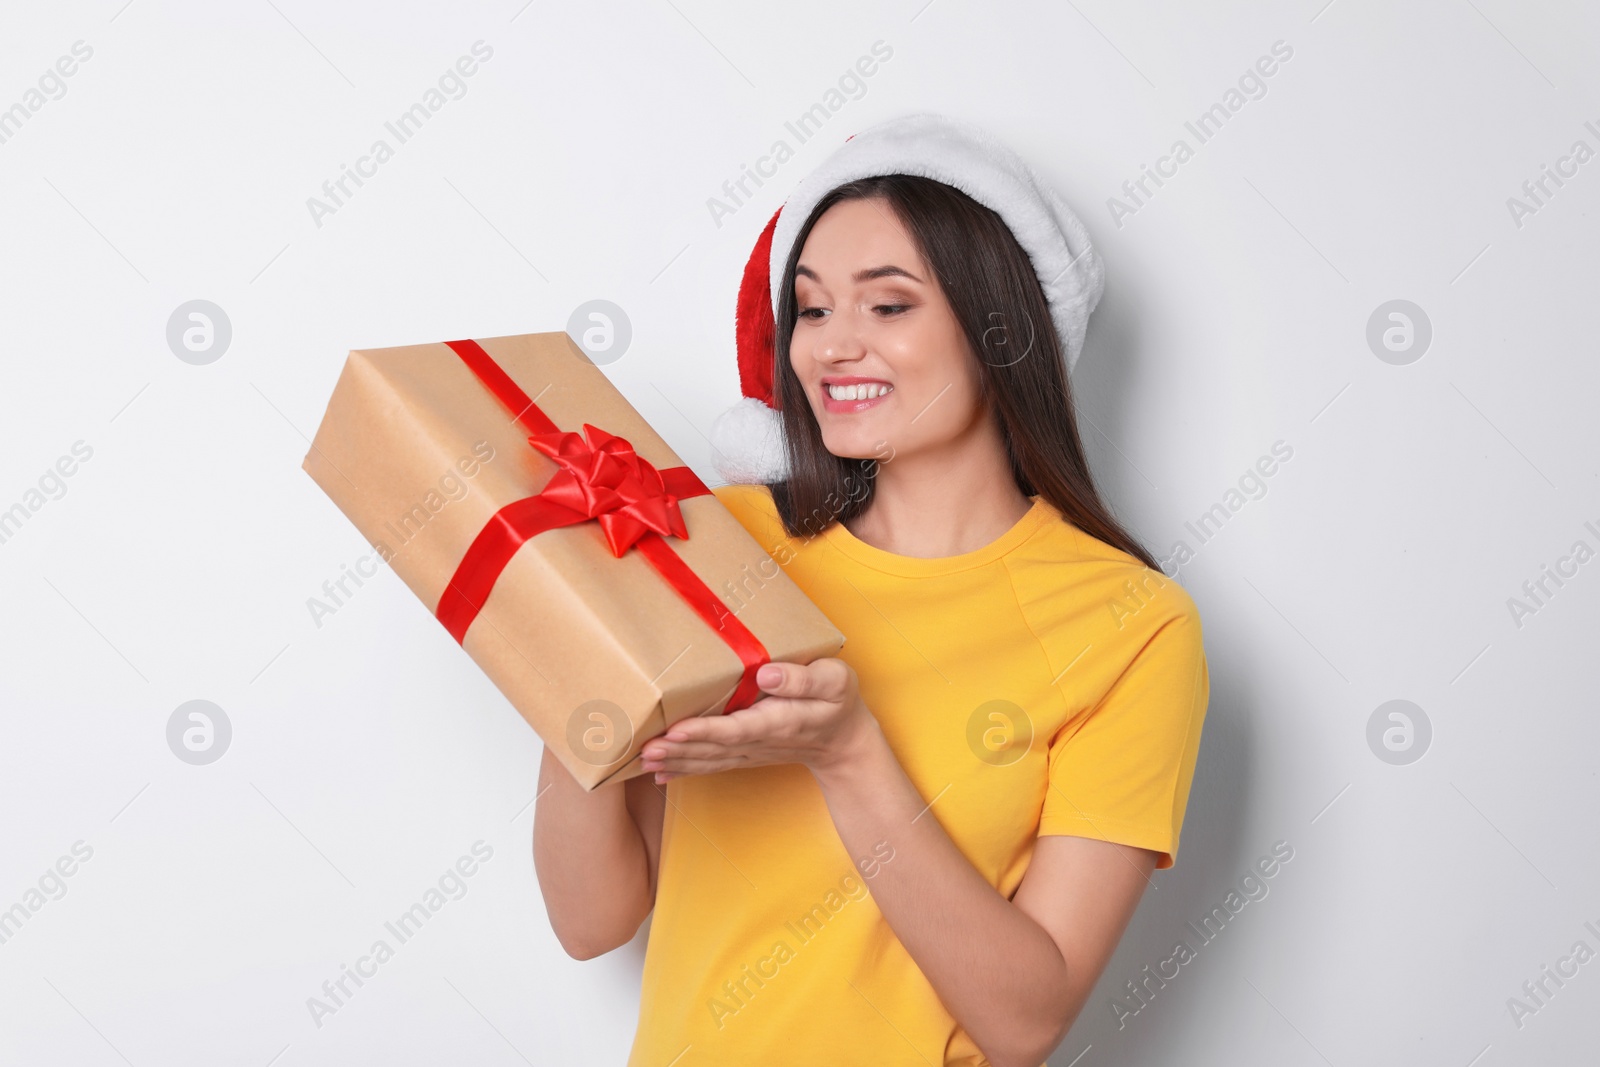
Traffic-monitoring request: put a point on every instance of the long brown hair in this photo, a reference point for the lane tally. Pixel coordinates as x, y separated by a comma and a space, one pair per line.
996, 297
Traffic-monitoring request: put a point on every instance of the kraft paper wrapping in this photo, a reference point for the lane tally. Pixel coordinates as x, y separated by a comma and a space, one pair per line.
598, 653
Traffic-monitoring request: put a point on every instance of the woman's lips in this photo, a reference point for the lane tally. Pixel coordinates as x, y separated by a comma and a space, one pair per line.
849, 406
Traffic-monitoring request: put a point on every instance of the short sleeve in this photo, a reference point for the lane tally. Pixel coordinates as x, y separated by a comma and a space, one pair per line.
1121, 771
752, 506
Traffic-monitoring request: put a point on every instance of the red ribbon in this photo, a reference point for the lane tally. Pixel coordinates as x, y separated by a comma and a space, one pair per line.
603, 479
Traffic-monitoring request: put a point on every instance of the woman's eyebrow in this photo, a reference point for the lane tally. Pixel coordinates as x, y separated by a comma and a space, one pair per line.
886, 271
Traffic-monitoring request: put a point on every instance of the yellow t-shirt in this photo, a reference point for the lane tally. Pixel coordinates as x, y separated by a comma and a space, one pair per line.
1046, 683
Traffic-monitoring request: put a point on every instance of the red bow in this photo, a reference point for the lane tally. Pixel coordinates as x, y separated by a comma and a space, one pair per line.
605, 479
600, 478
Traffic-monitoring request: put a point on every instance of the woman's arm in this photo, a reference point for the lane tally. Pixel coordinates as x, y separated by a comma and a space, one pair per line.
596, 855
1014, 973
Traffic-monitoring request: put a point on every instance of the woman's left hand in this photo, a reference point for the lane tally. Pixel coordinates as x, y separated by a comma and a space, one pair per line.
813, 716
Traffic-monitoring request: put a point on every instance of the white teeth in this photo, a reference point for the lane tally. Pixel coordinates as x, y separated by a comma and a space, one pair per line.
858, 392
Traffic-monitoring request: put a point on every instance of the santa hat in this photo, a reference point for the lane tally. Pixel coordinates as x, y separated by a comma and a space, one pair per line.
747, 439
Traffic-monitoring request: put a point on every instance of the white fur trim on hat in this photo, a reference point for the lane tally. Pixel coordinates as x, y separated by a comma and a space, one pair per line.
968, 158
747, 444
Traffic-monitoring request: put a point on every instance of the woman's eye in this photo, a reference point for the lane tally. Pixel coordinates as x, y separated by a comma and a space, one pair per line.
806, 313
893, 309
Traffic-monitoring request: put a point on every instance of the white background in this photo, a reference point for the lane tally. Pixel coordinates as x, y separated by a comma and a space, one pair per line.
368, 754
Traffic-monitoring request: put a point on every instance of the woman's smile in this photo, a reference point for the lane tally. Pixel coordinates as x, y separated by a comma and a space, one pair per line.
850, 393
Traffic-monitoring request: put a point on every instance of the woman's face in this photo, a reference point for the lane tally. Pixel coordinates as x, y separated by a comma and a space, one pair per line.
873, 320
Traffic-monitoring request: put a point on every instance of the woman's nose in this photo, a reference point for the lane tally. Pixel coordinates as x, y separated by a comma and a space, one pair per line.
840, 339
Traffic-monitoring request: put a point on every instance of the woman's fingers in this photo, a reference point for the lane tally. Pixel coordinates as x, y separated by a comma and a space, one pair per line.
740, 727
823, 679
678, 767
787, 725
658, 752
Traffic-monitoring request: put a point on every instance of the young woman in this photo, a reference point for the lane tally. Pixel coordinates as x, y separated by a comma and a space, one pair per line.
926, 849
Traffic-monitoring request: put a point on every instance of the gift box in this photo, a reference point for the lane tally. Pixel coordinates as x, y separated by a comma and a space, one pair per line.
558, 539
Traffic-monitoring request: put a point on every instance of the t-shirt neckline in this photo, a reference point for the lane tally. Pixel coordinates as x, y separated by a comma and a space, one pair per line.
838, 535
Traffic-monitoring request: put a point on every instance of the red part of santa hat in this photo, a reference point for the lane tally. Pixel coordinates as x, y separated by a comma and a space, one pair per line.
747, 439
753, 323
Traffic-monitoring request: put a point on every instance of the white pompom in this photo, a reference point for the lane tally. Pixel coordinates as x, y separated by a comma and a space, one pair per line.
747, 444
